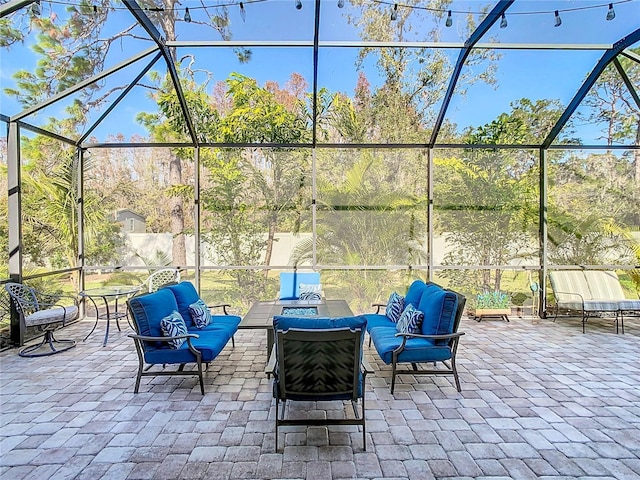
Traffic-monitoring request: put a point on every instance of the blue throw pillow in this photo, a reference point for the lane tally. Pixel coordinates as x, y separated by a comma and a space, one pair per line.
410, 320
310, 291
395, 307
172, 326
200, 314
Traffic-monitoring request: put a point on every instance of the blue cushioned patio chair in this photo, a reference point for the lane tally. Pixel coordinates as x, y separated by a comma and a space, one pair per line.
153, 348
435, 343
290, 283
46, 313
319, 359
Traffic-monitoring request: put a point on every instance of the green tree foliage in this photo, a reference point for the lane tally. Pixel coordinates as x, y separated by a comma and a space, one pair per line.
487, 200
50, 215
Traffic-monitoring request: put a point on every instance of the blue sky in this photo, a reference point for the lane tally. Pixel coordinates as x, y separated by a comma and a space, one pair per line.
534, 74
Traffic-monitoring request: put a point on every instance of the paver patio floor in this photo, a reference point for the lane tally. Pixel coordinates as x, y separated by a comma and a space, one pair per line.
539, 400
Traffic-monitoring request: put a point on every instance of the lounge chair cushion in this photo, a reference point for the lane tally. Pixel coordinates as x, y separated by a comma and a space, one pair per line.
414, 293
172, 326
439, 307
285, 322
51, 315
200, 313
416, 349
150, 309
395, 307
209, 343
186, 295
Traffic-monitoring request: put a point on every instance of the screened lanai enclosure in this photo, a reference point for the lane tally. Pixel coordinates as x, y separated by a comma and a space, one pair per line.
475, 144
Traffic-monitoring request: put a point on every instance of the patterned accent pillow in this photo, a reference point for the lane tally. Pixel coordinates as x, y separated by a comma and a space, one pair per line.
410, 320
395, 307
200, 313
310, 291
172, 326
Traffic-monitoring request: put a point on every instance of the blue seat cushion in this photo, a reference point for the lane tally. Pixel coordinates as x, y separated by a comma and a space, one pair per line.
210, 344
377, 320
439, 307
416, 349
285, 322
149, 309
185, 294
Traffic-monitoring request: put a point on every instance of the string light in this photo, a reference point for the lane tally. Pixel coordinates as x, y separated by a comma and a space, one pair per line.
558, 19
243, 12
394, 13
35, 9
449, 21
611, 14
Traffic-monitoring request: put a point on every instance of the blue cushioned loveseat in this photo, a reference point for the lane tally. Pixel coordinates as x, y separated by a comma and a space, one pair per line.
436, 338
200, 345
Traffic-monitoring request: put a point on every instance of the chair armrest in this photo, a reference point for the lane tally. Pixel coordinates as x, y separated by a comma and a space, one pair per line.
270, 369
147, 338
221, 305
431, 337
378, 307
188, 337
555, 294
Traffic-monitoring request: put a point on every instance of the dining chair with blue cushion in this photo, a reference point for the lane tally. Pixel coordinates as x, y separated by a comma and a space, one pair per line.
290, 283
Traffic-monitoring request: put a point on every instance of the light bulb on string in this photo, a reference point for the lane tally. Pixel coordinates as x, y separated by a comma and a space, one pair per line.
298, 4
340, 3
187, 15
558, 19
503, 21
611, 13
243, 12
95, 10
394, 13
449, 21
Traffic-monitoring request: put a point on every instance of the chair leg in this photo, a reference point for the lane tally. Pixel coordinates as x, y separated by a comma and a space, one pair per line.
55, 346
455, 374
200, 376
393, 375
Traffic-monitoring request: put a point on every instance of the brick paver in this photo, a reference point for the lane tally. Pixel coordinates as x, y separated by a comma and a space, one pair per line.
538, 400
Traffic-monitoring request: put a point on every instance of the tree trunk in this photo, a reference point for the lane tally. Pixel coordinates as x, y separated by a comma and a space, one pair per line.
179, 253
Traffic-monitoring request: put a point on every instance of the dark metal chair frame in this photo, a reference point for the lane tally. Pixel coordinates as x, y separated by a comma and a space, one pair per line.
320, 350
27, 300
146, 372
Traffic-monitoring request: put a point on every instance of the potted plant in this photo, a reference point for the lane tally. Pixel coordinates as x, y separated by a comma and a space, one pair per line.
492, 304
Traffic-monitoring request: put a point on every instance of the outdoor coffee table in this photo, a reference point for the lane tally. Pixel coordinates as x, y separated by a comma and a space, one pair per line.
261, 313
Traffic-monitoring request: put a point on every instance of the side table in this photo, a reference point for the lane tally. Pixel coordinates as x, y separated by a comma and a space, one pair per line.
107, 295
